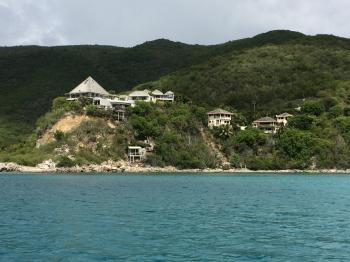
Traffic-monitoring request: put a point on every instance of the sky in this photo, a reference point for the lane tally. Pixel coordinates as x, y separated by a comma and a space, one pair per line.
132, 22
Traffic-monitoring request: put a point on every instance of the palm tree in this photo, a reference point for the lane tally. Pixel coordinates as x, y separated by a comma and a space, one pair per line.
225, 131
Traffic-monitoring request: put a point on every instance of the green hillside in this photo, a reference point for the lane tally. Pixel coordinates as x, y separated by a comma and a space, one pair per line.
273, 77
274, 71
31, 76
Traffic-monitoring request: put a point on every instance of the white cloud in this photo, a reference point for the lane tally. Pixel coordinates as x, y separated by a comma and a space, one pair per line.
29, 22
127, 23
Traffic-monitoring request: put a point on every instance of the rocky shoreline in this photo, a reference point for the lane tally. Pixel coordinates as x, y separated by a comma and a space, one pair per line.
124, 167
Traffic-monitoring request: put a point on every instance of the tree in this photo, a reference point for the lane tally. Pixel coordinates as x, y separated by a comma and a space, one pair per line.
303, 122
296, 144
251, 137
313, 108
223, 132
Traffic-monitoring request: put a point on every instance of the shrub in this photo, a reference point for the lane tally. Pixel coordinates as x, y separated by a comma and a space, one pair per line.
313, 108
251, 137
303, 122
296, 144
262, 163
346, 111
92, 110
236, 161
65, 161
343, 124
329, 102
59, 135
335, 111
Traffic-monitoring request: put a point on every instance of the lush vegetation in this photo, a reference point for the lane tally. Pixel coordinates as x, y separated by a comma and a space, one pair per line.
265, 75
175, 130
317, 137
266, 80
31, 76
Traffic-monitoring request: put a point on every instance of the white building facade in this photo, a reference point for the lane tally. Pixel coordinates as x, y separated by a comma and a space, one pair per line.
282, 119
91, 89
219, 117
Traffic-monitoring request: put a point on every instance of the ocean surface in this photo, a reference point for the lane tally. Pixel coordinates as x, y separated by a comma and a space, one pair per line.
174, 217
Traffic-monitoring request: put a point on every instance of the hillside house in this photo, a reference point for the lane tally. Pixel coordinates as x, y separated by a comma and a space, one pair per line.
282, 119
100, 97
136, 153
141, 96
159, 96
267, 124
151, 96
88, 88
219, 117
168, 96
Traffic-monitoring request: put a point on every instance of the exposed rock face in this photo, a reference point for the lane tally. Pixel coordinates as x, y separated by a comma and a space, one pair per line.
9, 167
47, 165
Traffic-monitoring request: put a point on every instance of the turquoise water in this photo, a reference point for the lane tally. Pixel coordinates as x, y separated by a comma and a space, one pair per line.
174, 217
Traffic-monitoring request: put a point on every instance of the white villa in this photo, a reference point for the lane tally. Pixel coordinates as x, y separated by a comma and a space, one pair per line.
141, 96
136, 153
159, 96
267, 124
100, 97
219, 117
282, 119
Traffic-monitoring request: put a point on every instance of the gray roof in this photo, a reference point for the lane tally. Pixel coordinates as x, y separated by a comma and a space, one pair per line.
219, 111
157, 93
89, 85
265, 120
169, 93
284, 115
139, 93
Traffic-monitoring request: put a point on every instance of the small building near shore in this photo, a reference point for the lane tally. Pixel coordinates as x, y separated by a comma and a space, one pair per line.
282, 119
88, 88
136, 153
266, 124
219, 117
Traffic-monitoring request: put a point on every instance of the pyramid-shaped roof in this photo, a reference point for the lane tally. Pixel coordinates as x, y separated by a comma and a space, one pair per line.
89, 86
219, 111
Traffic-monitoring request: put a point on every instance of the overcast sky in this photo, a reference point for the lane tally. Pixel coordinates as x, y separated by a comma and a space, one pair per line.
131, 22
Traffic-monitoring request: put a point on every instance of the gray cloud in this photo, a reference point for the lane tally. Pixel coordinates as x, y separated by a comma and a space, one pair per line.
131, 22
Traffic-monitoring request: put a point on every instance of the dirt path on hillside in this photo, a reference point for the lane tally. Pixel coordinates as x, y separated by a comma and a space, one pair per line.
209, 140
